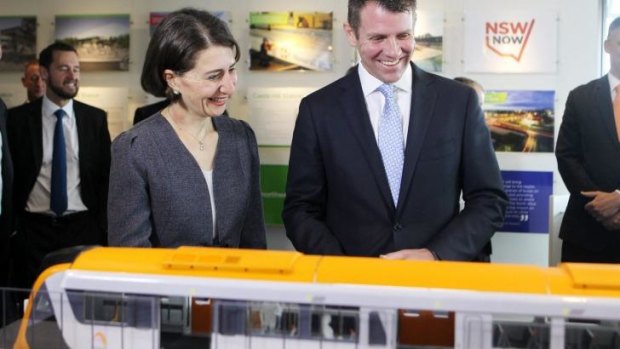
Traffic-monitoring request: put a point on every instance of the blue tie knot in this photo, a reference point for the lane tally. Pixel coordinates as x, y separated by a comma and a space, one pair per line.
59, 114
387, 90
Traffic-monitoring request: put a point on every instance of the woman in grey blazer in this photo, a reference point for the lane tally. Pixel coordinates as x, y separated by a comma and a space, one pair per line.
187, 175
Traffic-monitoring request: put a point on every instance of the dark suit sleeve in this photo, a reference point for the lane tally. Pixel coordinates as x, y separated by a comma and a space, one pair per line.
149, 110
304, 205
6, 216
103, 175
137, 116
253, 232
129, 208
143, 113
485, 201
569, 152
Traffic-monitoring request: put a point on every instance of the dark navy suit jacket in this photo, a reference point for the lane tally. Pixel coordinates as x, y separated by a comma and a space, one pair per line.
588, 154
6, 216
25, 130
338, 199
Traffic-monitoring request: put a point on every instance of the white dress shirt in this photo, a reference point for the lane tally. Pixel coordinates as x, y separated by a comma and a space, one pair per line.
209, 178
39, 199
375, 99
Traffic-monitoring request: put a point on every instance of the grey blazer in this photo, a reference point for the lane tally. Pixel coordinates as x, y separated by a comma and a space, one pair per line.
159, 197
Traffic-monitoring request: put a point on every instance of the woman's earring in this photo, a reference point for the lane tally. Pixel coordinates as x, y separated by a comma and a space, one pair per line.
176, 92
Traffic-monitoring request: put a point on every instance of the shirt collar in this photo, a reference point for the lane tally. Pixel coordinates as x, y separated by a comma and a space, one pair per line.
50, 107
370, 84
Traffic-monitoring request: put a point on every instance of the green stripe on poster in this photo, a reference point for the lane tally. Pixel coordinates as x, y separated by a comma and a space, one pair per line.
273, 185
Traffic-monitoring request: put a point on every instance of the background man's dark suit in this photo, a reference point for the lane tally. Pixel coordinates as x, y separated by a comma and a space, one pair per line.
6, 216
25, 133
338, 198
148, 110
588, 154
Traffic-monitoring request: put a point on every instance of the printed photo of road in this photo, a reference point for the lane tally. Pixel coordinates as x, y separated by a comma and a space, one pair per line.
428, 53
520, 121
102, 41
285, 41
18, 37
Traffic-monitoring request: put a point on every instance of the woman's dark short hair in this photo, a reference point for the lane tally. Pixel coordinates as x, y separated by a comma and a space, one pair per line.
175, 44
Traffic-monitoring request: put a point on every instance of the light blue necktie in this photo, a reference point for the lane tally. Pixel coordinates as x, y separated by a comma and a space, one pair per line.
391, 142
58, 191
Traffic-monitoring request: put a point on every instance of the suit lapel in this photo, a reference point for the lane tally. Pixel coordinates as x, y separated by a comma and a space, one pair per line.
423, 97
79, 125
356, 115
35, 121
605, 109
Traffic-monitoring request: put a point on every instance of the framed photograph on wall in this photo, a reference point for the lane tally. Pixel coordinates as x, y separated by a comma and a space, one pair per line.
428, 53
18, 36
285, 41
102, 41
520, 120
156, 17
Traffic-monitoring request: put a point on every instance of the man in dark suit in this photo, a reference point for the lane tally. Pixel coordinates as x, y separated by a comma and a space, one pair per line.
6, 186
588, 154
348, 193
6, 214
144, 112
32, 81
61, 153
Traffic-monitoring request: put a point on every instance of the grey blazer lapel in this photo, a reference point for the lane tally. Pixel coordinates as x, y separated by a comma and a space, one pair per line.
229, 179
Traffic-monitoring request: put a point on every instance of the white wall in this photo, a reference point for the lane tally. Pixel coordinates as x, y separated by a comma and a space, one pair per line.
578, 49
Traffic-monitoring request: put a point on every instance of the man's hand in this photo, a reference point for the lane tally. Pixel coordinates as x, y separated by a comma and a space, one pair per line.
612, 223
412, 254
603, 205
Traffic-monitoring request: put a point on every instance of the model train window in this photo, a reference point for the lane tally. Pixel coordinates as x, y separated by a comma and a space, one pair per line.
174, 314
592, 334
272, 318
335, 323
520, 332
114, 309
288, 320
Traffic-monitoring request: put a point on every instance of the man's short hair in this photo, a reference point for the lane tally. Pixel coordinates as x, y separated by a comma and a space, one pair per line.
46, 57
30, 63
615, 24
397, 6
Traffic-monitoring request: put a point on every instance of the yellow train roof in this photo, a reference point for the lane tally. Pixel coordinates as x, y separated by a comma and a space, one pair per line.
567, 279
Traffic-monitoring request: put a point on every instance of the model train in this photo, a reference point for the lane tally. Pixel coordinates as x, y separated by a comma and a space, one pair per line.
228, 298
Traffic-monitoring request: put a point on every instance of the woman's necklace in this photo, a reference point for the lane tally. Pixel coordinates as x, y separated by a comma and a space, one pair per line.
201, 141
